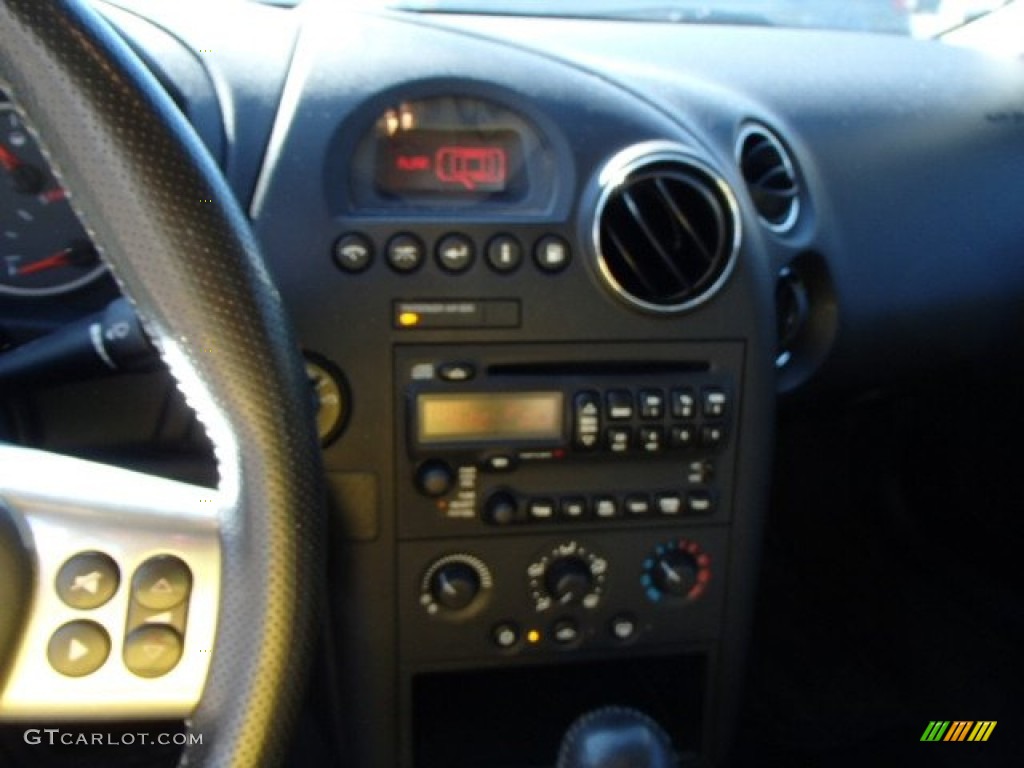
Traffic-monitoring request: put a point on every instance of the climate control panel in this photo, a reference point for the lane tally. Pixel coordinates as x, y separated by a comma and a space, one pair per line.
533, 595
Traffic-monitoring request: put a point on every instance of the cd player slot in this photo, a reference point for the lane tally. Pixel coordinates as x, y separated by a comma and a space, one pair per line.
599, 368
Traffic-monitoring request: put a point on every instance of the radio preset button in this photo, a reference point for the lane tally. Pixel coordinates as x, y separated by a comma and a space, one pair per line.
499, 463
619, 404
586, 420
638, 505
712, 436
541, 509
573, 508
684, 404
652, 404
606, 507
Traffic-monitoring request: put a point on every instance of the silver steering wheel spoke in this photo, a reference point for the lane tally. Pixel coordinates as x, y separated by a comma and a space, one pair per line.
126, 589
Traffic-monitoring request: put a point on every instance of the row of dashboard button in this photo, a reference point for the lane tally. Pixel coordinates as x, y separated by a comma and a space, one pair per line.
503, 509
455, 253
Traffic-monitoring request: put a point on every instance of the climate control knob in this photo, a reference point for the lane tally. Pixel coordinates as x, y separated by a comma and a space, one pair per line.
568, 574
678, 569
455, 584
568, 579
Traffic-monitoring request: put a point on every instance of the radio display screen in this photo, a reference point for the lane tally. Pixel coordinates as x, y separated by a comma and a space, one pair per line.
465, 417
449, 162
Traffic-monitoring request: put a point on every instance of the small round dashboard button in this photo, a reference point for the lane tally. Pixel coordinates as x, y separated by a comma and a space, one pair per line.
552, 253
405, 253
161, 582
505, 634
87, 580
504, 253
455, 253
78, 648
353, 252
622, 627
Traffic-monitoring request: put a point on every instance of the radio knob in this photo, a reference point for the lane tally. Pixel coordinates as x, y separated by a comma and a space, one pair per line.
501, 509
568, 579
455, 585
434, 478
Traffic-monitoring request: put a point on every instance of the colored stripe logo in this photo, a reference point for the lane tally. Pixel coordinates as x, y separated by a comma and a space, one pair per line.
958, 730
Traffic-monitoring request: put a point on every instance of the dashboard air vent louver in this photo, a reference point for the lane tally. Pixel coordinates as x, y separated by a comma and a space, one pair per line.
771, 178
666, 232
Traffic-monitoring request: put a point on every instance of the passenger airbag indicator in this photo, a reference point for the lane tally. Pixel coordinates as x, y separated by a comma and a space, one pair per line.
450, 163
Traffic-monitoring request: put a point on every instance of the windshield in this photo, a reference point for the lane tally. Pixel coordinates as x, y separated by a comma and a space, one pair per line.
917, 18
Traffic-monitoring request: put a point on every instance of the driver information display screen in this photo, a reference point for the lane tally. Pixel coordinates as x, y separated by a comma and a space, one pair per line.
449, 162
448, 418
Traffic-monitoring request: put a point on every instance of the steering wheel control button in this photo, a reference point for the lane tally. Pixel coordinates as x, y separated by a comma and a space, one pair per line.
353, 253
87, 580
552, 254
504, 254
505, 635
622, 627
78, 648
405, 253
455, 253
152, 651
161, 583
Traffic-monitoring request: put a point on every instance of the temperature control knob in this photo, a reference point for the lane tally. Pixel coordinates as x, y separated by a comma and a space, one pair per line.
678, 569
455, 584
568, 579
567, 574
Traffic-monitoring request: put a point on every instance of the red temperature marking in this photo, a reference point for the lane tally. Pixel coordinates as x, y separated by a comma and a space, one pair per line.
470, 166
8, 160
54, 195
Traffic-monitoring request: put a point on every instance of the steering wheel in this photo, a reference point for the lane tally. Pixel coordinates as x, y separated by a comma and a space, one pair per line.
134, 596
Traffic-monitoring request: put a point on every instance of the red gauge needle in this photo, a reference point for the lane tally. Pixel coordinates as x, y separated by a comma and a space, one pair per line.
59, 259
8, 160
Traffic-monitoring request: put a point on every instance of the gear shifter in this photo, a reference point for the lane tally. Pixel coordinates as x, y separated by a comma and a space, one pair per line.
615, 737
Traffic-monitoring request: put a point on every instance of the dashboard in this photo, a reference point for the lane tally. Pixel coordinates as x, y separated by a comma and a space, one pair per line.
550, 278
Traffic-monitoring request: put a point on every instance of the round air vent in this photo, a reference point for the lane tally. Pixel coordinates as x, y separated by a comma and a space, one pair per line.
770, 176
666, 230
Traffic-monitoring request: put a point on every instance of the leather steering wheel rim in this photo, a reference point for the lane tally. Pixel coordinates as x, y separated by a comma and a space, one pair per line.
179, 245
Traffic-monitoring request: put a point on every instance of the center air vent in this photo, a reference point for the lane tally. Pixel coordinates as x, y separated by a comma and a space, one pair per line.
770, 177
666, 231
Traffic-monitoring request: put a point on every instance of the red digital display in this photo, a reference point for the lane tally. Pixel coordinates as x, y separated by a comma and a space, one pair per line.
448, 162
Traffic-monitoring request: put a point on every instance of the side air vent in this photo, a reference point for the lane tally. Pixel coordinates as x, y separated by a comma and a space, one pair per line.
770, 176
665, 230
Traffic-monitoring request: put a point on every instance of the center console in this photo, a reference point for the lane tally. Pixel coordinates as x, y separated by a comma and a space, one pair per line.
545, 365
